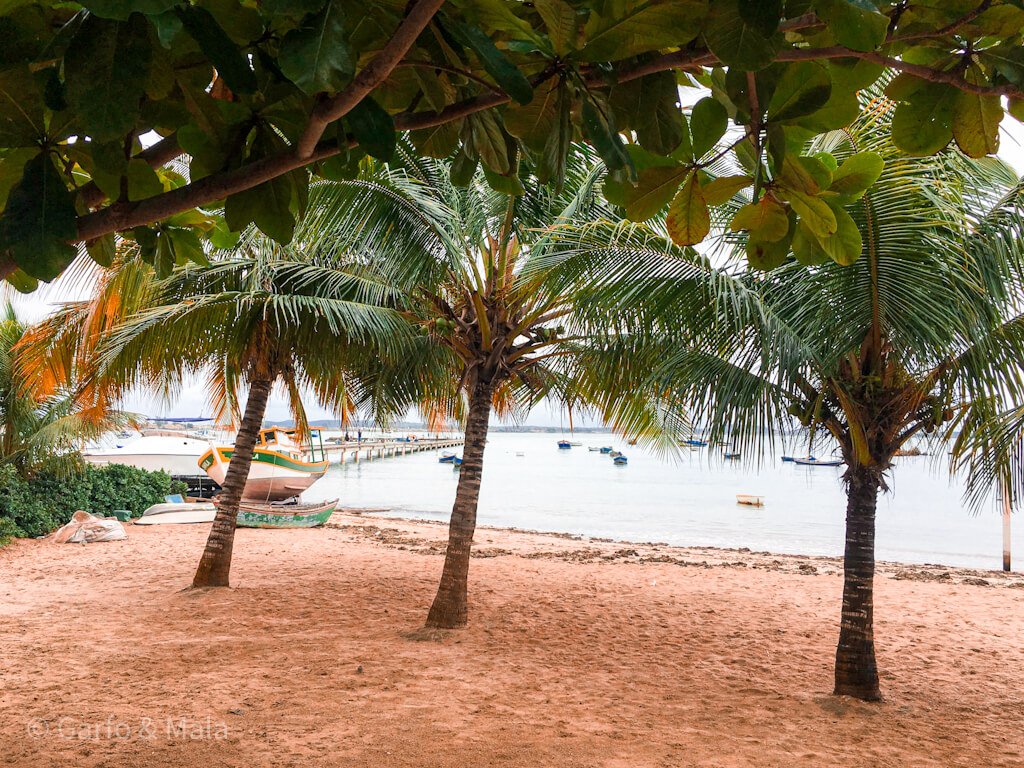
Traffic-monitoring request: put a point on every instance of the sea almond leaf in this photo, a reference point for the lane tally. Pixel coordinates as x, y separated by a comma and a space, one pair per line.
689, 220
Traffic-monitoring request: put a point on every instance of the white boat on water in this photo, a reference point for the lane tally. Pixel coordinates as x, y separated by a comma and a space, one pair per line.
175, 455
280, 468
170, 513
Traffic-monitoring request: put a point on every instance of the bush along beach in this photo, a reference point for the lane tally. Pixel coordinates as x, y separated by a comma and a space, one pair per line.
35, 506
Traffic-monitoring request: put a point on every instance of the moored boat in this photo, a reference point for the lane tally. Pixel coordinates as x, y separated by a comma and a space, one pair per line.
749, 500
620, 461
615, 454
175, 455
564, 444
446, 458
810, 461
285, 515
279, 469
731, 455
606, 449
695, 443
593, 448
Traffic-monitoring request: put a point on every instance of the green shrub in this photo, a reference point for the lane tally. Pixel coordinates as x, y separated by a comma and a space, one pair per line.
36, 506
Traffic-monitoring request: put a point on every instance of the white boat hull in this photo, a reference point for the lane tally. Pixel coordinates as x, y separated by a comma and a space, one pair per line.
171, 513
155, 453
272, 477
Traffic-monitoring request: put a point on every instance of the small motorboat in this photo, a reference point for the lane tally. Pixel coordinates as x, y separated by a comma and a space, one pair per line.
285, 515
694, 443
593, 448
810, 461
749, 500
576, 444
447, 458
615, 454
605, 449
790, 458
173, 513
457, 461
564, 444
620, 461
731, 455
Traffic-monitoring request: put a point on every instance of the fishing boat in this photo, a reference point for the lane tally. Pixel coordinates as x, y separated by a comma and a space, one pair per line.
620, 461
810, 461
446, 458
695, 443
178, 512
749, 500
457, 461
575, 443
175, 455
790, 458
593, 448
606, 449
564, 444
731, 455
285, 515
615, 454
280, 468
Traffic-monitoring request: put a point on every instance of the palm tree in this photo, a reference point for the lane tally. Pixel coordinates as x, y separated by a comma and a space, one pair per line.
43, 426
920, 334
254, 317
494, 329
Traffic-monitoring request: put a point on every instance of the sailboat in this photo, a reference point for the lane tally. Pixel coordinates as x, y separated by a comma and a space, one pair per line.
279, 470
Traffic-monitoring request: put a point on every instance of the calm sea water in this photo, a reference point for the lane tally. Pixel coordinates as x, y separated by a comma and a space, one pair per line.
685, 501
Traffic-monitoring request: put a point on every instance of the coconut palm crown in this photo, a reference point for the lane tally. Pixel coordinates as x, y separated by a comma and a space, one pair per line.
919, 335
496, 334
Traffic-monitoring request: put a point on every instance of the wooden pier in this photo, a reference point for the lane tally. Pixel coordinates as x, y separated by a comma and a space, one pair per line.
355, 451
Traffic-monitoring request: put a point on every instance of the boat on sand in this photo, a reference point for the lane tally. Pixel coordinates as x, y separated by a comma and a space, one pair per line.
173, 513
285, 515
279, 470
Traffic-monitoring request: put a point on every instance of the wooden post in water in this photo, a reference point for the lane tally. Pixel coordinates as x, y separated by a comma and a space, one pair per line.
1007, 504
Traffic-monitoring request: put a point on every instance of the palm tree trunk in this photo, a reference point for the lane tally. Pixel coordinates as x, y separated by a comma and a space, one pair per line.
856, 670
215, 564
449, 609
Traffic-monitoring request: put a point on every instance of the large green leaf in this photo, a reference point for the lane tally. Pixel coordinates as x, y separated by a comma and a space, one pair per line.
976, 121
735, 40
854, 24
654, 189
39, 220
217, 45
106, 69
708, 123
623, 30
813, 211
484, 138
534, 121
924, 125
766, 220
498, 65
689, 220
439, 141
857, 173
271, 206
803, 88
649, 105
315, 55
21, 108
560, 21
373, 128
845, 244
724, 188
604, 136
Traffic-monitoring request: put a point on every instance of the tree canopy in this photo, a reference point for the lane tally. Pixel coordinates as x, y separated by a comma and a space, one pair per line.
147, 117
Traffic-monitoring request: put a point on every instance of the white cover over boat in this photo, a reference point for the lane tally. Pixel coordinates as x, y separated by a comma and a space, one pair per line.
180, 512
173, 455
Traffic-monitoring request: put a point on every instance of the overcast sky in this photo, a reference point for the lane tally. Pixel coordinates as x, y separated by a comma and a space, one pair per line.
192, 400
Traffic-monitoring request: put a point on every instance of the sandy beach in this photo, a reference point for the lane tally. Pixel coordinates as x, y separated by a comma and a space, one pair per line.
579, 653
